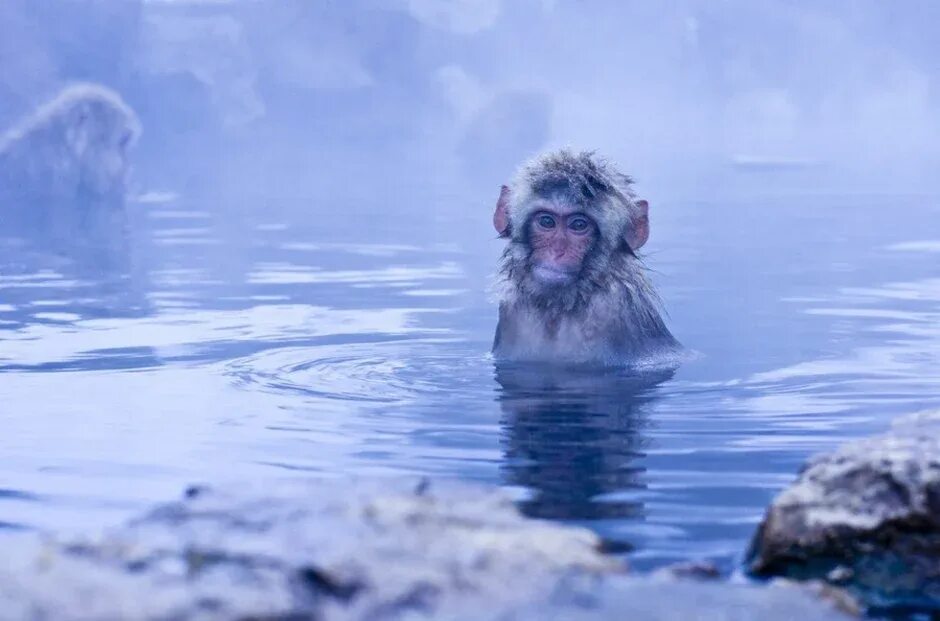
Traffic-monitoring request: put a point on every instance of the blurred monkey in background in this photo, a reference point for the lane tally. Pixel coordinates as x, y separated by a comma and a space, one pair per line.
63, 169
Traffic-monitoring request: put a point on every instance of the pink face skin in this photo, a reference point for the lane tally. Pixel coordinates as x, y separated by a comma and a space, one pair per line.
560, 238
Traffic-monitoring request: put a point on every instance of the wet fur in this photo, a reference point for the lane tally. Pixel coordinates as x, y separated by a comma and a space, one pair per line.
74, 146
63, 172
610, 314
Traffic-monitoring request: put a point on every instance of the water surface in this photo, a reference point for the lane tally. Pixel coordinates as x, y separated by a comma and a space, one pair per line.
229, 344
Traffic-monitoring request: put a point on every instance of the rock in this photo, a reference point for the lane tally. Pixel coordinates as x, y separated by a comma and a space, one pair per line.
838, 597
694, 570
367, 551
917, 423
304, 550
644, 599
865, 517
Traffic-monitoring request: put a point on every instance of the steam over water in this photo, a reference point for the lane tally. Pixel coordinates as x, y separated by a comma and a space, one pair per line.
303, 287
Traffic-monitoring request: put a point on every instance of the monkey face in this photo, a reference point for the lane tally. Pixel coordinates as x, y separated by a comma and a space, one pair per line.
560, 238
99, 125
99, 135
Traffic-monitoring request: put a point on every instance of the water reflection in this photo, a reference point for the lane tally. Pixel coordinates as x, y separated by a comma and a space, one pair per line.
43, 283
574, 438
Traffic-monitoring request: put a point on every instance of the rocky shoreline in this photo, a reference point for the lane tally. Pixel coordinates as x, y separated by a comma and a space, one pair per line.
859, 530
865, 517
364, 551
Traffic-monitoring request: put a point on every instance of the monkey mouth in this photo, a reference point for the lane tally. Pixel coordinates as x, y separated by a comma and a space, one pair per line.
552, 275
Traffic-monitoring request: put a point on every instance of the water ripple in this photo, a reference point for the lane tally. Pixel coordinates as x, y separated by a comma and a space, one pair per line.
396, 371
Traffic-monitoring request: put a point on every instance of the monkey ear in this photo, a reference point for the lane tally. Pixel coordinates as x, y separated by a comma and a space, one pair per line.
640, 230
501, 215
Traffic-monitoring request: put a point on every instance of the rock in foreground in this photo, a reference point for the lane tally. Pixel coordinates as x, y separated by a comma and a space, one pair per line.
866, 517
364, 552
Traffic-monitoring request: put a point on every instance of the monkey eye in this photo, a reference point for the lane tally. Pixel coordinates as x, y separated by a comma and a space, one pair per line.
579, 224
546, 221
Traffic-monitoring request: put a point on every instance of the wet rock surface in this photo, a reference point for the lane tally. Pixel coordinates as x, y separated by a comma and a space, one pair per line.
865, 517
304, 550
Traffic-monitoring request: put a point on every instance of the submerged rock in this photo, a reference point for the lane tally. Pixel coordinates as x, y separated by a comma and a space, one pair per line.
866, 517
689, 570
376, 551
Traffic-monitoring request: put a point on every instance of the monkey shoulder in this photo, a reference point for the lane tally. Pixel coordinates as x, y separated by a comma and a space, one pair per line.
630, 323
614, 328
527, 333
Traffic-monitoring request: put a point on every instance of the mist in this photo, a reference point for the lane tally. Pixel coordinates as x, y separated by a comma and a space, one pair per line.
389, 105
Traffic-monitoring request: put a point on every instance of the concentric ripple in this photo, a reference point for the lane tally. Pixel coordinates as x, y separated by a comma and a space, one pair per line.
398, 371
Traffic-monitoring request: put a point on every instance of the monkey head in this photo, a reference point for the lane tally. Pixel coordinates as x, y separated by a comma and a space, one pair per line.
86, 133
571, 287
97, 130
566, 214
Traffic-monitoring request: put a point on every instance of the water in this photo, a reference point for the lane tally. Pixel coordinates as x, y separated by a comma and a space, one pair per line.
271, 340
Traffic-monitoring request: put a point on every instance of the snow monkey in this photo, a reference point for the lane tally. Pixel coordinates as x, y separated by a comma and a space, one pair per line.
75, 146
63, 169
572, 288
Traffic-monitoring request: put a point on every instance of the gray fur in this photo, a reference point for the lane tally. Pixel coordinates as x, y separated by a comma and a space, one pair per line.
75, 146
582, 179
610, 314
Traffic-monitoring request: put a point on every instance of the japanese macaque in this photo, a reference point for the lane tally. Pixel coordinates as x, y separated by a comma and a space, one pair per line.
75, 146
572, 287
63, 169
